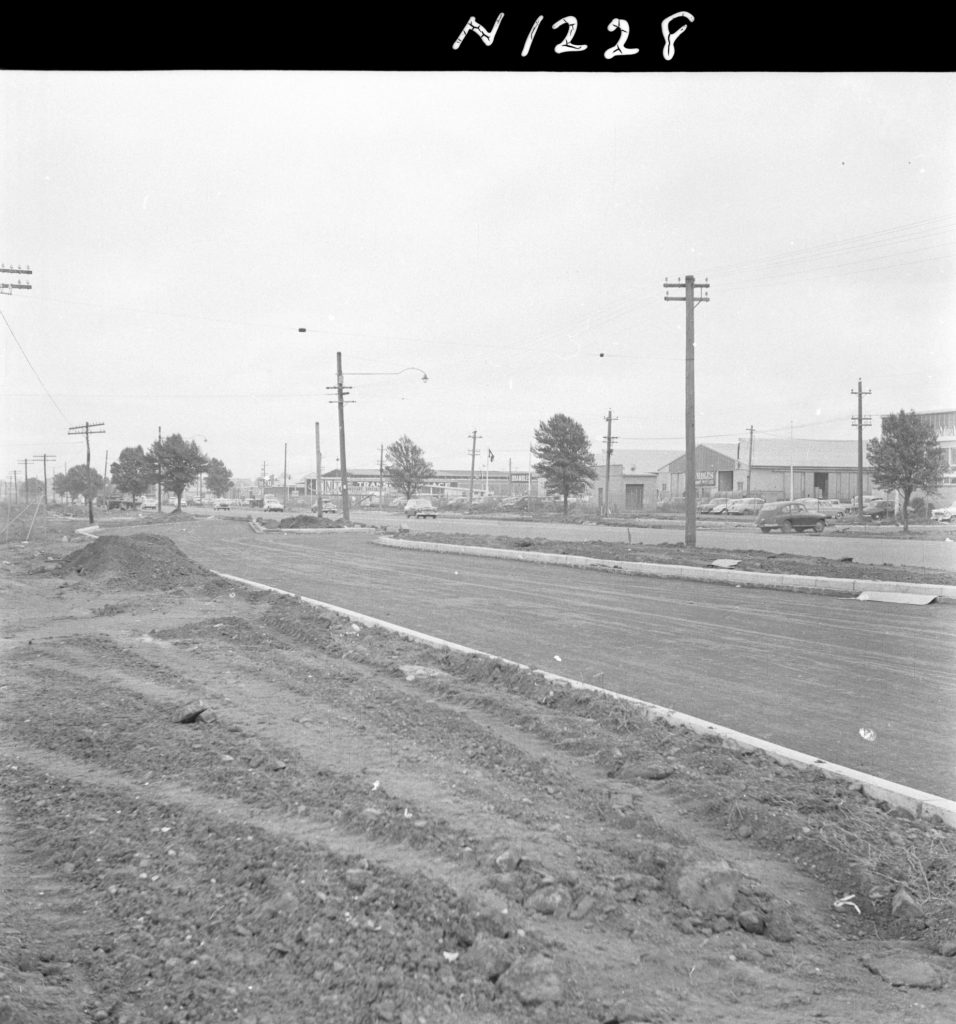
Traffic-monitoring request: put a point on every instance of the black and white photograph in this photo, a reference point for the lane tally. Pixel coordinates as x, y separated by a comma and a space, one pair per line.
478, 528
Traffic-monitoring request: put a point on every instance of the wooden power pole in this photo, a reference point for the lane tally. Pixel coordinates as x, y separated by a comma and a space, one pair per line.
690, 300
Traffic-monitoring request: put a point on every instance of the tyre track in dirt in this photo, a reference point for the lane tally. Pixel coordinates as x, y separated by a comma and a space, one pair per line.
804, 671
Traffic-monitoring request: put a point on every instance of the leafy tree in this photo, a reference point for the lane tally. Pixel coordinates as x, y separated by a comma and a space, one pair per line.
176, 464
75, 483
407, 466
218, 478
564, 455
133, 472
907, 457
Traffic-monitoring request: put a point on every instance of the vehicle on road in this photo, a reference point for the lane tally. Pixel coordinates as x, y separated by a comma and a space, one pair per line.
420, 508
745, 506
221, 505
148, 505
272, 504
116, 502
944, 515
327, 507
711, 506
788, 516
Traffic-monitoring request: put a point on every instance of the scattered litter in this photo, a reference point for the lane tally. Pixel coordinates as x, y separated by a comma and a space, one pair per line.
557, 657
356, 628
407, 813
847, 901
893, 598
868, 734
450, 957
725, 563
375, 785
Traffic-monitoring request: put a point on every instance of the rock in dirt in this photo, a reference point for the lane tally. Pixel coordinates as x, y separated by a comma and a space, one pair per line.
706, 887
550, 899
533, 980
904, 969
488, 956
186, 714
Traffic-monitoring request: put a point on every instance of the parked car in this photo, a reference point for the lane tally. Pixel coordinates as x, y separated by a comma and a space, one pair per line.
327, 507
420, 508
831, 509
944, 515
880, 509
221, 505
114, 502
788, 516
272, 504
148, 505
745, 506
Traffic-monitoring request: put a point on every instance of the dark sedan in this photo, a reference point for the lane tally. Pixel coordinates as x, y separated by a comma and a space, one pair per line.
788, 516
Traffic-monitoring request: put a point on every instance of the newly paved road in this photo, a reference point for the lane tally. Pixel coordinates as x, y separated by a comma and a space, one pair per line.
808, 672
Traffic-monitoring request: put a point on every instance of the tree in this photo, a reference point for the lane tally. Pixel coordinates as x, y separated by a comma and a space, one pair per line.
176, 464
218, 478
906, 458
564, 455
133, 472
407, 466
76, 484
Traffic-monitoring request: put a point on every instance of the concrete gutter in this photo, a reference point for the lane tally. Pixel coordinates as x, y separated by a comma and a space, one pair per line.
737, 577
918, 803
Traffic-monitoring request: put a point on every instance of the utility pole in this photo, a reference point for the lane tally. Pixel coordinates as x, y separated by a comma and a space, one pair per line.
285, 477
471, 479
607, 465
341, 390
690, 301
159, 472
381, 476
44, 459
26, 483
87, 429
860, 421
318, 471
750, 460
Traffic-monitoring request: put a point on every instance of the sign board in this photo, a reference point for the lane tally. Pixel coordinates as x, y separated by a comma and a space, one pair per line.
706, 478
518, 478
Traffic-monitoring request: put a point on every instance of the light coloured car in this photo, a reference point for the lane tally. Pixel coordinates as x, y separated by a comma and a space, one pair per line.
745, 506
148, 505
221, 505
272, 504
944, 515
420, 508
831, 509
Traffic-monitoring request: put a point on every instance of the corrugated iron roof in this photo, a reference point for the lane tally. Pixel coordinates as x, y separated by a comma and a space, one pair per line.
640, 461
804, 452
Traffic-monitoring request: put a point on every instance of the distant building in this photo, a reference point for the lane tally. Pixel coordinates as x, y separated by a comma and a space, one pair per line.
632, 484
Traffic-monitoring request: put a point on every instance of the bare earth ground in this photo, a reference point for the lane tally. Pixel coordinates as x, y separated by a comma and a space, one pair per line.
748, 560
220, 805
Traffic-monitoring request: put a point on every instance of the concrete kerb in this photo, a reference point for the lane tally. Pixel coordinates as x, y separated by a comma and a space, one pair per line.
916, 802
737, 577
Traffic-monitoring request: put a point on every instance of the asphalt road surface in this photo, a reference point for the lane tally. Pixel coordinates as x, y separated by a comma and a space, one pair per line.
805, 671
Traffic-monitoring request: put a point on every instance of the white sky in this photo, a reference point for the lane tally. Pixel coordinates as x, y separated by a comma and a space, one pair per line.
497, 231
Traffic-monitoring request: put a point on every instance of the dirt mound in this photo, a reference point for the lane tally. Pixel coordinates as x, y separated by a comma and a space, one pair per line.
144, 562
308, 522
